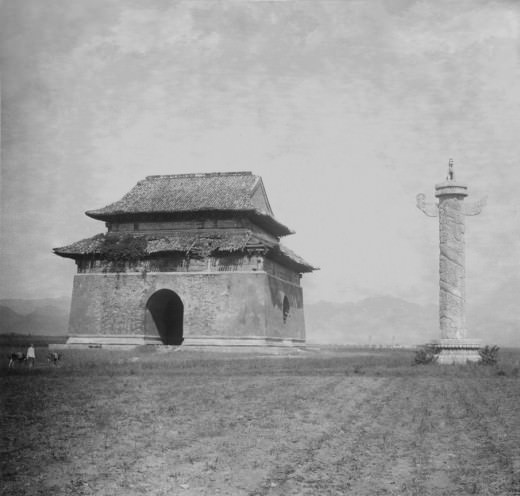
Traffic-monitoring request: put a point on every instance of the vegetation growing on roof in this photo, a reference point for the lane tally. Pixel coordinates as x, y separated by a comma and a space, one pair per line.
123, 248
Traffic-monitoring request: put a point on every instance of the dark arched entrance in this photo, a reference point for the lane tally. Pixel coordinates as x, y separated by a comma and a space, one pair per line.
164, 315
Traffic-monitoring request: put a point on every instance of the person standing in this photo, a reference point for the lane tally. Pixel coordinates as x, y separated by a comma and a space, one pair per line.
31, 355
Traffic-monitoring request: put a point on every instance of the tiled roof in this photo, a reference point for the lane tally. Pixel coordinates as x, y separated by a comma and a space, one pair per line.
186, 192
286, 253
183, 193
188, 242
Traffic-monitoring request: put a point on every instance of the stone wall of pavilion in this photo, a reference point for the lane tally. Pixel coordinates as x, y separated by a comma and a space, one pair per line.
222, 304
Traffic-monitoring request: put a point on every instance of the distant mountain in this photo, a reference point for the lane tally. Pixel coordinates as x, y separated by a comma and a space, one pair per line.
49, 319
37, 317
9, 319
385, 320
382, 320
496, 318
378, 320
26, 306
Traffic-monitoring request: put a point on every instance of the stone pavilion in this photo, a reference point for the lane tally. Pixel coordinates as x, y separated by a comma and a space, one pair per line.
189, 258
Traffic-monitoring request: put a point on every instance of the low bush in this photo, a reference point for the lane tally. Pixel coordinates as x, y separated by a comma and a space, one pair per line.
489, 355
426, 354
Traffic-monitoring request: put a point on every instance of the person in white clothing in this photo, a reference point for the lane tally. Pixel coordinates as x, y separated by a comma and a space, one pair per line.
31, 355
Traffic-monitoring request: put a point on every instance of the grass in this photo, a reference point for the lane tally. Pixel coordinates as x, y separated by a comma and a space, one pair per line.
325, 422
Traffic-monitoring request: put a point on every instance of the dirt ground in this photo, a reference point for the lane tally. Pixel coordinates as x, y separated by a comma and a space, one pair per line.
330, 422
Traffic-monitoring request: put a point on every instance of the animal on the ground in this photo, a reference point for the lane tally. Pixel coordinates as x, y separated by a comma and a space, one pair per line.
16, 356
54, 357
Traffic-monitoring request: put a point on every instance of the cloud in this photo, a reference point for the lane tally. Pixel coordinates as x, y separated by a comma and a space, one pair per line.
347, 109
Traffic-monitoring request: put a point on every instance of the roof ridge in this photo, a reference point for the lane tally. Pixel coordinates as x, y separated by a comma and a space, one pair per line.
203, 174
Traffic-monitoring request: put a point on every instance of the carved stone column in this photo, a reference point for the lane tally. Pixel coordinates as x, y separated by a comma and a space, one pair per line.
452, 271
454, 345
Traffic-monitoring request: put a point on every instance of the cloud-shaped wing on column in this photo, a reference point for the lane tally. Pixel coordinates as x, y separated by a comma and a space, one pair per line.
430, 209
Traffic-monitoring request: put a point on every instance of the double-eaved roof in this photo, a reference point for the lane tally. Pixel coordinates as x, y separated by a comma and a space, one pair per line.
230, 194
181, 194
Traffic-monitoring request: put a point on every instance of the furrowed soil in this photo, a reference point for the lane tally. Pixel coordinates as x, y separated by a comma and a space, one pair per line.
316, 422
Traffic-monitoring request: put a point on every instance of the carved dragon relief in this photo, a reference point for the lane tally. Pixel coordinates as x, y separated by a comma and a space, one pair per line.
451, 269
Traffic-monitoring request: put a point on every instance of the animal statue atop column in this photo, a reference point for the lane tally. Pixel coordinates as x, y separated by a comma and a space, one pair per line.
451, 173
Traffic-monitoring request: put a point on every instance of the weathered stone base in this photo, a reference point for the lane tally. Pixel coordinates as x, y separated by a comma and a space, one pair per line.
245, 341
458, 350
132, 341
114, 341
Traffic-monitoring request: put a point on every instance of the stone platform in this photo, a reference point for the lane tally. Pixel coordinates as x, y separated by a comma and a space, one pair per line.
133, 341
453, 351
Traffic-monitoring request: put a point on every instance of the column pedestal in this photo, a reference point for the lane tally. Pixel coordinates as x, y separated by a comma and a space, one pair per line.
453, 350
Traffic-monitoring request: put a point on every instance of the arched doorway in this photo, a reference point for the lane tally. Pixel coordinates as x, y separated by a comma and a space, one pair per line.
164, 316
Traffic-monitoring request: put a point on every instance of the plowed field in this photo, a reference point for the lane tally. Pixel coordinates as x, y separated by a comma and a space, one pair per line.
318, 422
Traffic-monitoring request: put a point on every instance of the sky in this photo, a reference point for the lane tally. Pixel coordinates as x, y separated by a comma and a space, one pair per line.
347, 110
